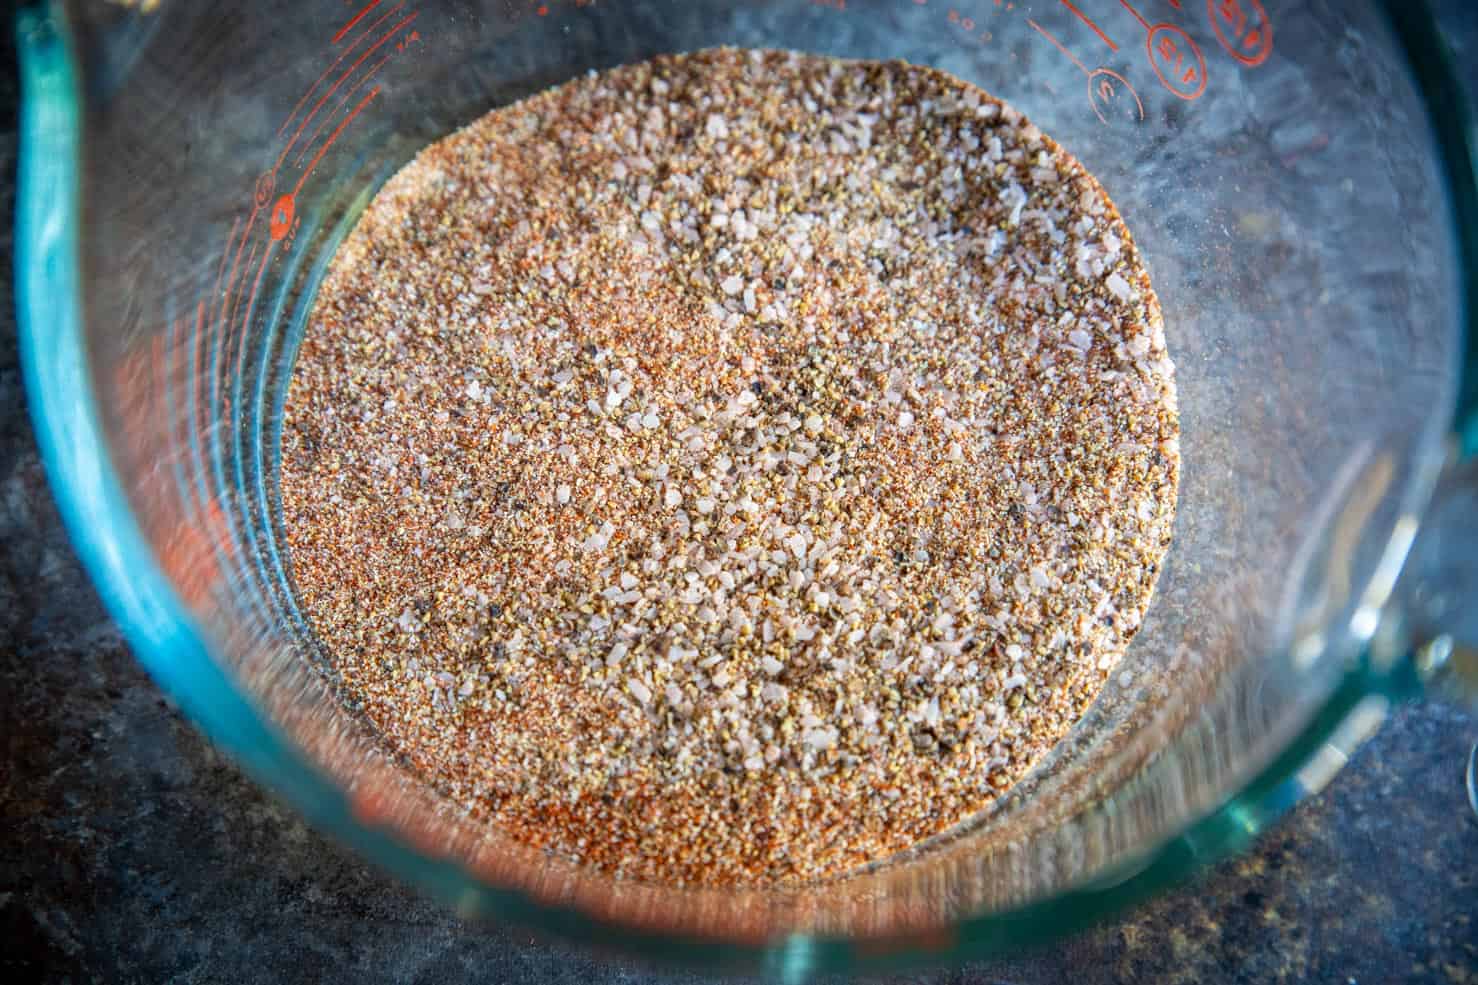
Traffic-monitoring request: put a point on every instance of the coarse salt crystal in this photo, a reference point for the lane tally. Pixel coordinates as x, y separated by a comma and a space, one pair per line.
820, 739
732, 284
562, 494
1118, 285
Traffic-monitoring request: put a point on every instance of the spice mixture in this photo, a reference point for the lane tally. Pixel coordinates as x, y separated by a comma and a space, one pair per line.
732, 468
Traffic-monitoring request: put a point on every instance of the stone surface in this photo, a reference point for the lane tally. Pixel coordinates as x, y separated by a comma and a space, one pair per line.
131, 851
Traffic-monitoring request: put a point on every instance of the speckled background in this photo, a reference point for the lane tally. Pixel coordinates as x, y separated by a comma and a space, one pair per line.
131, 852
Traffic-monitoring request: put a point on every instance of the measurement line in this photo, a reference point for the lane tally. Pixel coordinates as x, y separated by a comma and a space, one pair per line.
354, 20
173, 371
243, 335
216, 298
251, 303
335, 64
197, 406
332, 137
236, 298
240, 246
1142, 22
1094, 27
232, 339
340, 81
221, 299
1059, 45
369, 74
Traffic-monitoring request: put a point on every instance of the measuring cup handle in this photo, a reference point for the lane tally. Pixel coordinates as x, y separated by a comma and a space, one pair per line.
1436, 596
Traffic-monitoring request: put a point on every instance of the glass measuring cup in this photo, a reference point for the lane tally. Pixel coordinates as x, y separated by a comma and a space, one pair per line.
1295, 175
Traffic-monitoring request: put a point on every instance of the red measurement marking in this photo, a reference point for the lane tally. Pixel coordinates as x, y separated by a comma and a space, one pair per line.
348, 94
236, 300
1247, 37
216, 297
354, 20
240, 248
1059, 45
542, 11
256, 284
340, 81
1092, 26
197, 360
1142, 22
263, 191
180, 359
342, 55
173, 372
219, 298
1112, 97
251, 305
332, 137
1177, 61
280, 223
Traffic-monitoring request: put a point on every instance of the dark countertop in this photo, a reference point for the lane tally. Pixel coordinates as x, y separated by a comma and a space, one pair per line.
131, 851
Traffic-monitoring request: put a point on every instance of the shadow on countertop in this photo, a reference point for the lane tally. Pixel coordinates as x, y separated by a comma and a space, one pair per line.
131, 851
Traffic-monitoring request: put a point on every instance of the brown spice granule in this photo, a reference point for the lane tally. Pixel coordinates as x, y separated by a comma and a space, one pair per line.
732, 468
